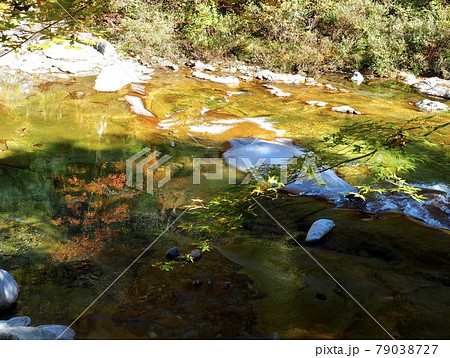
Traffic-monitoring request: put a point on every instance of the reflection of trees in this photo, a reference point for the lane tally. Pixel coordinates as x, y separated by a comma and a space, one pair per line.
95, 212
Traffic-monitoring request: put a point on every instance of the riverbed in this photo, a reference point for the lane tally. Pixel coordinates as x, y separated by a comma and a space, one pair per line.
70, 225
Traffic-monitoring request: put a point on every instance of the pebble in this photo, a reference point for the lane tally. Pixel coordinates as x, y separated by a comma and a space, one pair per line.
227, 286
196, 254
172, 253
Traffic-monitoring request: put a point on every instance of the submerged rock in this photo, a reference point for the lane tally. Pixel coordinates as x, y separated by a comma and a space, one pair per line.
248, 153
200, 66
172, 253
357, 78
196, 254
227, 286
345, 109
319, 229
432, 106
9, 289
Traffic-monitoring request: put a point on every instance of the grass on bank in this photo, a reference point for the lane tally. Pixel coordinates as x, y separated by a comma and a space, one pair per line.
295, 35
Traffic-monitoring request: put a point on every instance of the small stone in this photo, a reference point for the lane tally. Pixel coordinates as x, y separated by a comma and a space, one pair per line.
196, 254
173, 67
330, 87
227, 286
357, 78
321, 296
77, 94
319, 229
172, 253
197, 283
210, 283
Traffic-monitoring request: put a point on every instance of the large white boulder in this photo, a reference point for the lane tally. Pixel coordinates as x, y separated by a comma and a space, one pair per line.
319, 229
9, 289
432, 106
117, 75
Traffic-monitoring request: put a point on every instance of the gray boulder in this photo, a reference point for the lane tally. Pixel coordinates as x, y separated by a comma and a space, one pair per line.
9, 289
319, 229
17, 329
345, 109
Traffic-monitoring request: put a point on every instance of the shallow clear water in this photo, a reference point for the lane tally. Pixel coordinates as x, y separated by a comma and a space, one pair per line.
69, 225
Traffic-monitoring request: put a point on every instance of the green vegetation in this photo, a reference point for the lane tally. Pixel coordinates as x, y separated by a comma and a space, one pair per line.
298, 35
295, 35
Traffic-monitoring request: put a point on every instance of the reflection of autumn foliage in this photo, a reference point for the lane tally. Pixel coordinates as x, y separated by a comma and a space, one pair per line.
95, 212
82, 247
